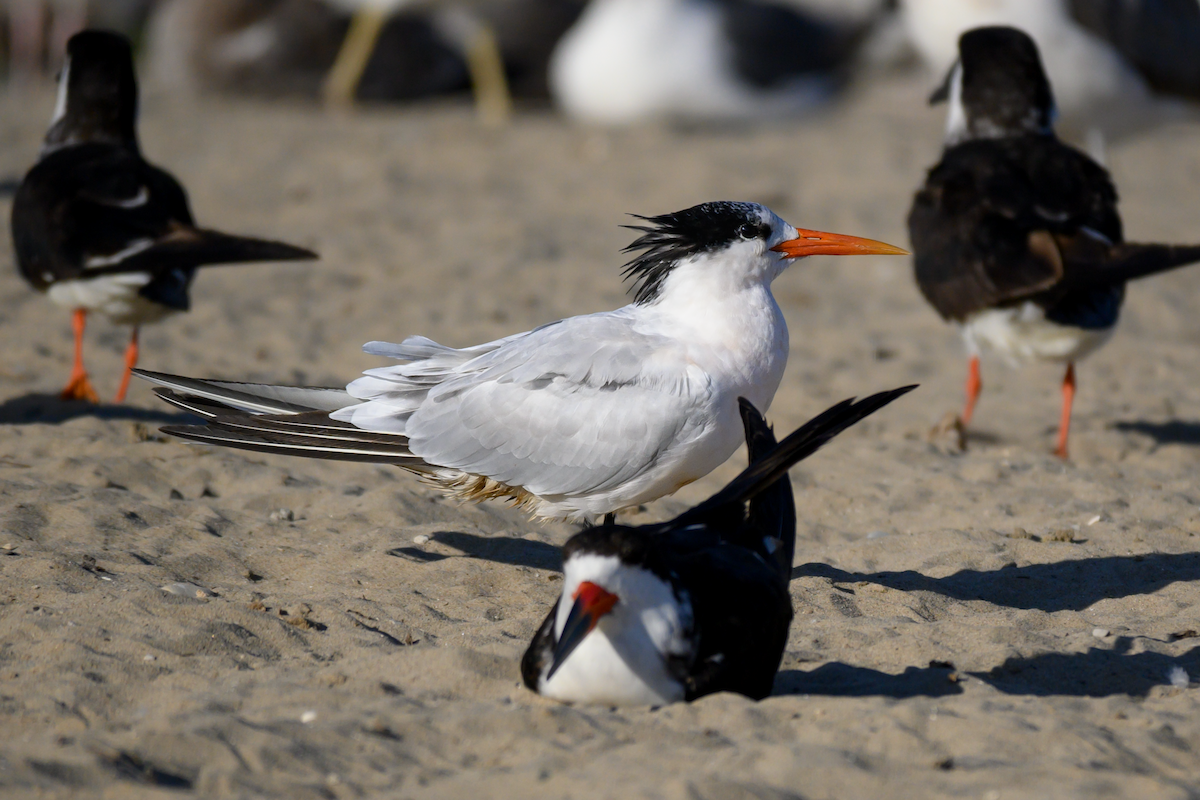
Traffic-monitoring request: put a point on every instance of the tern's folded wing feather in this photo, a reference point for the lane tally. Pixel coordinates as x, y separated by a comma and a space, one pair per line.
581, 405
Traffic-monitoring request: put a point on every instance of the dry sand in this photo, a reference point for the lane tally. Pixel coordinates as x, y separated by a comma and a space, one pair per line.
990, 624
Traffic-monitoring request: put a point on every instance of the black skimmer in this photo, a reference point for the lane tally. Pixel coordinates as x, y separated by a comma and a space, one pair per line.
96, 226
1016, 235
629, 60
574, 419
1100, 93
655, 614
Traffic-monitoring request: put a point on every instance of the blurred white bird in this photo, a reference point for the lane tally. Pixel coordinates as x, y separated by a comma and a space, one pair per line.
627, 60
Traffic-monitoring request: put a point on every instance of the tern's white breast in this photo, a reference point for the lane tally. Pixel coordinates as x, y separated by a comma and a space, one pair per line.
1023, 334
115, 296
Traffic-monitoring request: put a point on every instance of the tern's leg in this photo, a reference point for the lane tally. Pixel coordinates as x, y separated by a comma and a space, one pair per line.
1064, 427
610, 520
343, 79
974, 387
131, 357
79, 387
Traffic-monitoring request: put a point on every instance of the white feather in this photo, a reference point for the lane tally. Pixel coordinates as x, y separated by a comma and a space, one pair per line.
131, 249
115, 296
627, 60
1023, 334
140, 199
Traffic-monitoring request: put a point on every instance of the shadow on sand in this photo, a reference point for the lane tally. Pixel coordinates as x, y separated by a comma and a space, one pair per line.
1100, 672
1174, 432
49, 409
843, 680
497, 549
1064, 585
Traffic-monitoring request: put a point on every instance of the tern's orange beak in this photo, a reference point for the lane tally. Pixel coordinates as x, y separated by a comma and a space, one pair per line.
817, 243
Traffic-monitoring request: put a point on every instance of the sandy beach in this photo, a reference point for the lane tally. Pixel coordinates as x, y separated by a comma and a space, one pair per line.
990, 624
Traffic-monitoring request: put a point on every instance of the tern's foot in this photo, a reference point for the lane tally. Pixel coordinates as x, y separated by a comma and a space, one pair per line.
80, 388
1061, 452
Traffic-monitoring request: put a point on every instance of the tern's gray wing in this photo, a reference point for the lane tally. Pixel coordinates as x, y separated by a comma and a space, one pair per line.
582, 405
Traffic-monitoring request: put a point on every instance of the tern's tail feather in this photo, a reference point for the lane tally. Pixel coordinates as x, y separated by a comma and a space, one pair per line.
250, 398
291, 420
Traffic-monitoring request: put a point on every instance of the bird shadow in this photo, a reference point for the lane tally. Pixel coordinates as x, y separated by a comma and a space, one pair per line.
33, 409
1099, 672
982, 437
497, 549
843, 680
1070, 585
1174, 432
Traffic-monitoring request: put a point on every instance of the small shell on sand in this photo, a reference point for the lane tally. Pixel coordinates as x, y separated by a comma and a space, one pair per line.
185, 589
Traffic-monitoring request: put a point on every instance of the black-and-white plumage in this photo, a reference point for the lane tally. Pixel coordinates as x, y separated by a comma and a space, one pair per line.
1016, 235
98, 227
577, 418
674, 611
1100, 92
629, 60
671, 238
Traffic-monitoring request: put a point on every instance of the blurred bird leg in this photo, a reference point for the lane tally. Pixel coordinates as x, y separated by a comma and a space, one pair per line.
26, 21
70, 17
481, 48
493, 102
343, 79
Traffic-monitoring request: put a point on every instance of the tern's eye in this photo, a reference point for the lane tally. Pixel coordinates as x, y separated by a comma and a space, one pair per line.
753, 230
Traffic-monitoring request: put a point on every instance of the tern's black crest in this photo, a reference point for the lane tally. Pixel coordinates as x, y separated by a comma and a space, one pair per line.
1004, 88
670, 238
101, 92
